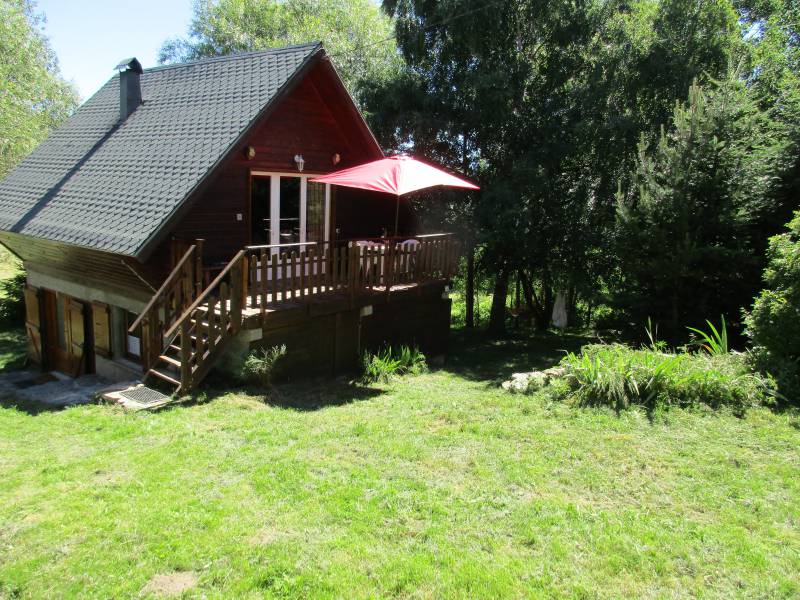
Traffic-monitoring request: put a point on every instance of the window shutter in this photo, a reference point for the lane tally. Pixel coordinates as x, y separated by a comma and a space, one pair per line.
102, 329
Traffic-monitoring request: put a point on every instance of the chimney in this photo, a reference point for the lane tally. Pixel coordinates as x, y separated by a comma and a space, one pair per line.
130, 88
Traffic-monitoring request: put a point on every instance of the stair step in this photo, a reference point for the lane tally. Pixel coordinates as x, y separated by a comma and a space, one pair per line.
165, 377
170, 360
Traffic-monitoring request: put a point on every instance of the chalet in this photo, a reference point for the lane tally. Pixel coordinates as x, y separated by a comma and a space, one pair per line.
172, 221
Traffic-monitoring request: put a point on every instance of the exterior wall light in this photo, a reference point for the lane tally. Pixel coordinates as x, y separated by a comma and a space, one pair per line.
298, 158
336, 159
249, 153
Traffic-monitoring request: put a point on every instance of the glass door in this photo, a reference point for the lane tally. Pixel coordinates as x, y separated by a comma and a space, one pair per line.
260, 211
290, 206
287, 209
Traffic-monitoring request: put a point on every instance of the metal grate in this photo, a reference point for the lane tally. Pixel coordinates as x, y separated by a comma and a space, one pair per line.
144, 395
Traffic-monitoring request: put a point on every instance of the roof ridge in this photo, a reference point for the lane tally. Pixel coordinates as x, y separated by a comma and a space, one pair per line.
233, 56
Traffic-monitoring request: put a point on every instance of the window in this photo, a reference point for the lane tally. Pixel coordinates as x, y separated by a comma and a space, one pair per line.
260, 211
290, 210
133, 341
287, 209
315, 212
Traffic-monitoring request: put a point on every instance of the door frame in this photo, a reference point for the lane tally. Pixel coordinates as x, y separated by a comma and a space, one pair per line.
275, 203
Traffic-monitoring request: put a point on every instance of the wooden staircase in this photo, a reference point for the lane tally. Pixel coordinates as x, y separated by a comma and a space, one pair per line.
184, 331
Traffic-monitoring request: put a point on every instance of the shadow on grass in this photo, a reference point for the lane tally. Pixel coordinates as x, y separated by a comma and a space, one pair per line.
29, 407
304, 395
478, 356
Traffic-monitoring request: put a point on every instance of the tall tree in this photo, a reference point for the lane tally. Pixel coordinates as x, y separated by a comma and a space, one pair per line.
552, 98
355, 33
33, 96
689, 223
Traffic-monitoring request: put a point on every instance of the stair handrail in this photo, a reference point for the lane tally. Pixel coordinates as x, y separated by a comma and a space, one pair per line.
163, 289
204, 294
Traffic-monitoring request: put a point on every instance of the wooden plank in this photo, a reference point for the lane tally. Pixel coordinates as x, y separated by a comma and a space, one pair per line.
212, 324
312, 266
185, 354
237, 293
273, 258
262, 301
284, 277
252, 263
301, 263
224, 298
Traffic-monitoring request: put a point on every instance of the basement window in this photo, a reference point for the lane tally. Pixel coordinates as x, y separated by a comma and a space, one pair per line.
133, 341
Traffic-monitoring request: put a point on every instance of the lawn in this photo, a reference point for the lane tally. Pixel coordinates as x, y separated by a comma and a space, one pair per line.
439, 485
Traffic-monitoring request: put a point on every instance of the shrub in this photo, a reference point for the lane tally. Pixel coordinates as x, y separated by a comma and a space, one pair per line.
259, 366
619, 376
12, 300
774, 323
382, 365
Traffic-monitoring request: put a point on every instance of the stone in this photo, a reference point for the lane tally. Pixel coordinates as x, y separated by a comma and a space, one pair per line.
523, 383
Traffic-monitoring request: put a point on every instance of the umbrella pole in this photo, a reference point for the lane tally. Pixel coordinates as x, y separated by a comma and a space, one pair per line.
396, 215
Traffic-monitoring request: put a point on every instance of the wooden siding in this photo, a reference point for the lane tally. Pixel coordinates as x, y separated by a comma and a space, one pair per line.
88, 267
312, 120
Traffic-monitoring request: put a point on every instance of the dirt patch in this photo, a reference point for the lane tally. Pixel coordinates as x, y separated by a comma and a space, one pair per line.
170, 584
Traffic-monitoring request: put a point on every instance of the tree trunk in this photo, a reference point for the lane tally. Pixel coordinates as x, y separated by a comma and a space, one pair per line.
545, 314
469, 299
497, 316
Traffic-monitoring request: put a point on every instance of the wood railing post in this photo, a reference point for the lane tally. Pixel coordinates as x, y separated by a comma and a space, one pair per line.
186, 356
388, 275
262, 301
198, 267
238, 273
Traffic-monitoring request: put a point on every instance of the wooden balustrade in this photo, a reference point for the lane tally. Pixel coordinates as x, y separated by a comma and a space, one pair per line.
304, 271
179, 289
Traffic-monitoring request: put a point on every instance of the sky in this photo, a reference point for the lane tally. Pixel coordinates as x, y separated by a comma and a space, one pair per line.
91, 36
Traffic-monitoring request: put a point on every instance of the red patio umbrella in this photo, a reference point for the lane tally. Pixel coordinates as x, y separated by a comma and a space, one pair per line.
396, 175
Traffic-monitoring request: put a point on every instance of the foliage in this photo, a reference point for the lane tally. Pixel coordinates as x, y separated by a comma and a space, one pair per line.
12, 300
692, 210
619, 376
354, 33
714, 341
381, 366
33, 96
773, 325
545, 102
259, 366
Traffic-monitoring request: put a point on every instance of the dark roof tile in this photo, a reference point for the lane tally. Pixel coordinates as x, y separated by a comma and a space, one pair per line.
107, 185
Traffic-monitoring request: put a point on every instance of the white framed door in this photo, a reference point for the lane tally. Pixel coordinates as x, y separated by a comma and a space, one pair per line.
299, 210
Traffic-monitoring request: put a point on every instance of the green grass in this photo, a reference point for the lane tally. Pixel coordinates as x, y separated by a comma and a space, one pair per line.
9, 264
439, 485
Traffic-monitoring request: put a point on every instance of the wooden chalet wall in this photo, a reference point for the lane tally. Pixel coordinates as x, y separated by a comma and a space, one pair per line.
101, 270
315, 120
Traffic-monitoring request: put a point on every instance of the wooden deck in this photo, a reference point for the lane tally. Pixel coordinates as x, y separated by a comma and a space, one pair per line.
185, 329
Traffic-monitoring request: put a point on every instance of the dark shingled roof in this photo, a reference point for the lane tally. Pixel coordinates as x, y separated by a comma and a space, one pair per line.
107, 185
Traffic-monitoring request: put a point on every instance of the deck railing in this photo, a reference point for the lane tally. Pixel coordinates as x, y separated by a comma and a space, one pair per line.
264, 277
298, 272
